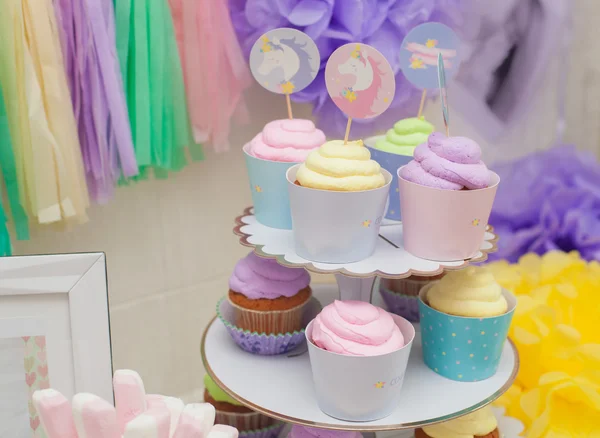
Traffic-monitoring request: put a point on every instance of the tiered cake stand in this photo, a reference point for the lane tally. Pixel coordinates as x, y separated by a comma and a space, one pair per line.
281, 386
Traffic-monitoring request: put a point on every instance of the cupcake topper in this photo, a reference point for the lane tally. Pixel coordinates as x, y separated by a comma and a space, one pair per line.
284, 61
443, 93
419, 56
360, 81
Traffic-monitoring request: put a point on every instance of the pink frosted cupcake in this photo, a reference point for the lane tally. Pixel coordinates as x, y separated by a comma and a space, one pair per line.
280, 145
371, 346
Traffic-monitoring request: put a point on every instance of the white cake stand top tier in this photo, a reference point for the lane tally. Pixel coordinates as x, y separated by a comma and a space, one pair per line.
390, 259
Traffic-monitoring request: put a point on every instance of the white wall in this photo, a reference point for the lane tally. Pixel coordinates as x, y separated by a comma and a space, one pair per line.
170, 246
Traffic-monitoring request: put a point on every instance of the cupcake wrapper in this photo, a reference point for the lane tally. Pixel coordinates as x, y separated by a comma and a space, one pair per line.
274, 321
404, 305
250, 421
410, 286
462, 348
262, 343
268, 432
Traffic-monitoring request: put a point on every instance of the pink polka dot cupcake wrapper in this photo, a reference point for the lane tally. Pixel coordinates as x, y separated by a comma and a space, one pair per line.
462, 348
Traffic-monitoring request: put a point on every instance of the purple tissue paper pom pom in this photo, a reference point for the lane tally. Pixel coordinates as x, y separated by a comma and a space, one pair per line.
549, 200
333, 23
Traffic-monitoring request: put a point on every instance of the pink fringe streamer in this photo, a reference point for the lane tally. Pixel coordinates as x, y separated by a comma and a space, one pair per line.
214, 68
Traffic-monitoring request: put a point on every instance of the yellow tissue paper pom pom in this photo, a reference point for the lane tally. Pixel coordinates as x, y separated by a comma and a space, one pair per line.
555, 329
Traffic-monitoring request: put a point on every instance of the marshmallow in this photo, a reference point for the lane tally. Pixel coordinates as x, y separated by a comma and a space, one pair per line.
154, 423
130, 396
223, 431
54, 411
195, 421
174, 405
94, 417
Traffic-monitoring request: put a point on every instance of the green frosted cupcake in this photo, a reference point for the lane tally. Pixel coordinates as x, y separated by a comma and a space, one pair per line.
405, 136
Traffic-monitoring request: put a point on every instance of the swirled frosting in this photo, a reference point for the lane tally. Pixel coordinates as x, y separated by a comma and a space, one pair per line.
449, 163
471, 292
356, 328
256, 277
314, 432
478, 423
341, 167
405, 136
289, 140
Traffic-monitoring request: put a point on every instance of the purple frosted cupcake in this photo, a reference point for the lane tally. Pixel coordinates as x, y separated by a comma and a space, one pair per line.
314, 432
268, 297
402, 296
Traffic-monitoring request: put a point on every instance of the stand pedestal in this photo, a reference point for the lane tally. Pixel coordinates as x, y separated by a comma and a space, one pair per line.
355, 288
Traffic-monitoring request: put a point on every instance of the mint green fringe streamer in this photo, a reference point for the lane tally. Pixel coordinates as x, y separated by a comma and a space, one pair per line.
9, 172
153, 82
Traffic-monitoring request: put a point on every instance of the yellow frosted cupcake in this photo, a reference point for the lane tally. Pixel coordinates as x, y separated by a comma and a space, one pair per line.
341, 167
478, 424
471, 292
465, 318
337, 200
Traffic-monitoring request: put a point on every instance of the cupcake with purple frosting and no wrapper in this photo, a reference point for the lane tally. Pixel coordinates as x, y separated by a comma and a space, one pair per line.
268, 297
448, 163
314, 432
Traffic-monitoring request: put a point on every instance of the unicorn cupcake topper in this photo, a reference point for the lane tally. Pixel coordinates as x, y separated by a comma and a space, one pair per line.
419, 56
284, 61
360, 82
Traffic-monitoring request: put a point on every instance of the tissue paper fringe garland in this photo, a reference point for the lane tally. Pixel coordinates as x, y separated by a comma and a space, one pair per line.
555, 329
93, 94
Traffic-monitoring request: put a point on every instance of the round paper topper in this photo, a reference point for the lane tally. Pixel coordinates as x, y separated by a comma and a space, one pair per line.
419, 54
284, 60
360, 80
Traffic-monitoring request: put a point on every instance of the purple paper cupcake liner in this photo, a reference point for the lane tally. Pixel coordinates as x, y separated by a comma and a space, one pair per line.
406, 306
268, 432
261, 343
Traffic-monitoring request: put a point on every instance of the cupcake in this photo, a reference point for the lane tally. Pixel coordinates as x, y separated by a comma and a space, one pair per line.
465, 319
478, 424
402, 296
337, 198
372, 346
314, 432
230, 412
405, 136
394, 150
268, 297
446, 194
280, 145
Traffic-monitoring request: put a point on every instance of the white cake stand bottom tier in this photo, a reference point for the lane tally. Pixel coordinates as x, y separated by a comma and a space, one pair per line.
282, 387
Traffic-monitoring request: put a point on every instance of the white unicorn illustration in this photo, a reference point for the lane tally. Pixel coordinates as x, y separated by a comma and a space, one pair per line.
368, 81
356, 65
291, 57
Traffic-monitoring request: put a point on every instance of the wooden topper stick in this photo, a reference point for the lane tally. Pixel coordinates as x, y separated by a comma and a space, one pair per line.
289, 106
347, 130
447, 131
423, 96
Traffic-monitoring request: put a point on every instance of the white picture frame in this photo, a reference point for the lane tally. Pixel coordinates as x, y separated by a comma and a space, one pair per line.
63, 297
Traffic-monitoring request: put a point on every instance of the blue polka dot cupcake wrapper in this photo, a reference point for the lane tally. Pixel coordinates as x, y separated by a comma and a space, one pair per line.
460, 348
